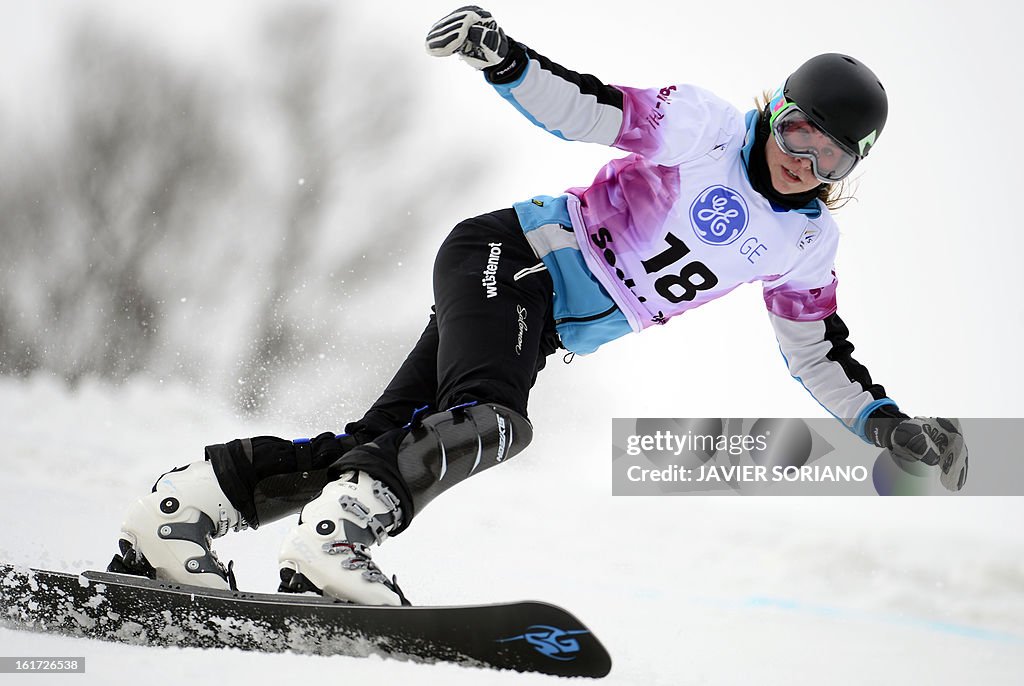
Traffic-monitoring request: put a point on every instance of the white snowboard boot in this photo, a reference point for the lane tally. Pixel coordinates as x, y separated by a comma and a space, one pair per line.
167, 534
328, 552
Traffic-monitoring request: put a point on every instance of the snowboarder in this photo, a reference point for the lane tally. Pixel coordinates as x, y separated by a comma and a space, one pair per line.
708, 198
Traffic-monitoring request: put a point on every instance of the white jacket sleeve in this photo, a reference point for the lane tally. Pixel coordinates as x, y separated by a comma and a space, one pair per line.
668, 125
815, 342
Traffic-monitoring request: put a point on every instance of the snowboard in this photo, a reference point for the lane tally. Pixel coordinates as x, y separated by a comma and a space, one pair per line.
523, 636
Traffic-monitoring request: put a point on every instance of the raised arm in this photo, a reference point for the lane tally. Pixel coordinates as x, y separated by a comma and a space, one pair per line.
665, 125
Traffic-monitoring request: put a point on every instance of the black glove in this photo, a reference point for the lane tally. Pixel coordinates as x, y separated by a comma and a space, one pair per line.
933, 441
472, 34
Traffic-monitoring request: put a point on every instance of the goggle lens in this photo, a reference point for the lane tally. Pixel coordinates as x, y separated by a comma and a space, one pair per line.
798, 136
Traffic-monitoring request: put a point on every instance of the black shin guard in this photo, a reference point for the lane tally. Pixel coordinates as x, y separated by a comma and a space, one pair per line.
268, 478
447, 448
422, 461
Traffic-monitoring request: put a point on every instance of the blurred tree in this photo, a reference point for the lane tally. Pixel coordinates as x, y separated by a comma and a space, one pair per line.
300, 44
216, 223
139, 156
345, 113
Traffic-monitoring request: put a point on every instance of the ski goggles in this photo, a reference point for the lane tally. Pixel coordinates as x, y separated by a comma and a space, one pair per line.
798, 136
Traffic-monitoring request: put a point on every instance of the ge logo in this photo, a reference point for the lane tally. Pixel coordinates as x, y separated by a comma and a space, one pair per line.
719, 215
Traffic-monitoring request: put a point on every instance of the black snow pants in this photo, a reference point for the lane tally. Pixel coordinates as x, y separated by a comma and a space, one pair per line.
489, 334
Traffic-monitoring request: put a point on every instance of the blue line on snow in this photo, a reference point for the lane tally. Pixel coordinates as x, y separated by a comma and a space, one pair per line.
840, 613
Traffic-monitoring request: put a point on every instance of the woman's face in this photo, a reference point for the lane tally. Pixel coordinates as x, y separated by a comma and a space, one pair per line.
790, 175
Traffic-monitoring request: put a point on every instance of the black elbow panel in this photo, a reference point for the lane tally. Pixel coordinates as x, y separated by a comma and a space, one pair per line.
841, 352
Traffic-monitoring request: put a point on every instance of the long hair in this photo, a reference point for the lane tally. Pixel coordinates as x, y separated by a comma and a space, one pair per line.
832, 195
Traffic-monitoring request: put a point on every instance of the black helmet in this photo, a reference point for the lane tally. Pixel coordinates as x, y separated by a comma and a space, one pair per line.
843, 97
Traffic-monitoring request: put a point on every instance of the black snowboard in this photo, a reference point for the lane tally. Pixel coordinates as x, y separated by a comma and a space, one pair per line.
523, 636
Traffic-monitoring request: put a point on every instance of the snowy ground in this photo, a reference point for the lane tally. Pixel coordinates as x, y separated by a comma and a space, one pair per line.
688, 590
